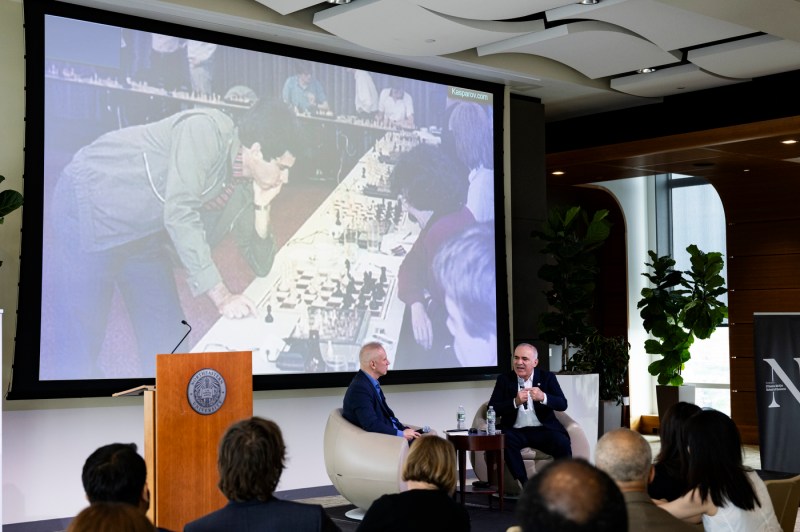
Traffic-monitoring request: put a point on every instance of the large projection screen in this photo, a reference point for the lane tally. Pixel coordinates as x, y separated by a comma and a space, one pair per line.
192, 191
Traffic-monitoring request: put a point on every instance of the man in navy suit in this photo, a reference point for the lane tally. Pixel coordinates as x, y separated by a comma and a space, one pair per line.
250, 462
364, 403
525, 401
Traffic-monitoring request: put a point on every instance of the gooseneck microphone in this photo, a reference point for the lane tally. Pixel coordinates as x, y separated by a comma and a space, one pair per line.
184, 336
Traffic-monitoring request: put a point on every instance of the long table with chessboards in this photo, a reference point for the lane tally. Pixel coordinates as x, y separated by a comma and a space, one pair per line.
333, 285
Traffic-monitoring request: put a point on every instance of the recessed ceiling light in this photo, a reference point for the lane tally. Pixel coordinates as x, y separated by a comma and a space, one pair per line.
589, 2
746, 170
558, 172
338, 1
789, 141
646, 70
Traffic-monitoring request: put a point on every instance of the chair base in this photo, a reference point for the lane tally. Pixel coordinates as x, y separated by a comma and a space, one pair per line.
356, 514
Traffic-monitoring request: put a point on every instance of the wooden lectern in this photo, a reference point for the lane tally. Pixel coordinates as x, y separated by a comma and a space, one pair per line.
180, 442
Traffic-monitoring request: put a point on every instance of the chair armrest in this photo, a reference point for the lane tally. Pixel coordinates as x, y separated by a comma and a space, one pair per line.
577, 436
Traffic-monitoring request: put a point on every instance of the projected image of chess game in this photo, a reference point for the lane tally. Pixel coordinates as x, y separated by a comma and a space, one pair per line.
205, 197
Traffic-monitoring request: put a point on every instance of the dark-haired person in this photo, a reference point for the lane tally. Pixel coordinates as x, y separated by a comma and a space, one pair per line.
250, 462
434, 195
134, 197
116, 473
110, 517
723, 494
671, 463
465, 269
430, 471
525, 401
572, 495
396, 106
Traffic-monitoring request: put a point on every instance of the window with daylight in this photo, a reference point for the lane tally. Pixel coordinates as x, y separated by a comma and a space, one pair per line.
696, 216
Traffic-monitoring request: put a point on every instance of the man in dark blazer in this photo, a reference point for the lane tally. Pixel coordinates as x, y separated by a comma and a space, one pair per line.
250, 462
525, 400
364, 403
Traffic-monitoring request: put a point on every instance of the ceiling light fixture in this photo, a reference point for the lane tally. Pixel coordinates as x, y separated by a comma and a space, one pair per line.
558, 172
589, 2
789, 141
647, 70
339, 1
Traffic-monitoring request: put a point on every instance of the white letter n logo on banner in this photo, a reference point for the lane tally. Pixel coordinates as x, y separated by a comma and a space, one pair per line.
777, 370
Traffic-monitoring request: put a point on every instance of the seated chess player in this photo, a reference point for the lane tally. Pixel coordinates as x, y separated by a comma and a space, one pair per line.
364, 403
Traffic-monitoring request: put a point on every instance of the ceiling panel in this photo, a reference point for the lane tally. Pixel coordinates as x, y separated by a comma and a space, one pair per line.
284, 7
668, 81
668, 27
580, 44
414, 30
748, 58
483, 10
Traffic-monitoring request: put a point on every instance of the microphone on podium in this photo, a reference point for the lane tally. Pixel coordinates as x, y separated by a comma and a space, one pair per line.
184, 336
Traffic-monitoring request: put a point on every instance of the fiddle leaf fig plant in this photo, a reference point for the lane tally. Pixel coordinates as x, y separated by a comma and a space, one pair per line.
571, 239
679, 307
10, 200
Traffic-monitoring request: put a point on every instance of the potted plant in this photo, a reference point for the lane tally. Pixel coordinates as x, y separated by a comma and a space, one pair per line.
608, 357
679, 307
571, 240
10, 200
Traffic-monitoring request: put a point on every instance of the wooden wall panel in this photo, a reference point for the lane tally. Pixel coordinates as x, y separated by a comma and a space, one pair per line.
740, 339
775, 271
743, 377
743, 303
747, 238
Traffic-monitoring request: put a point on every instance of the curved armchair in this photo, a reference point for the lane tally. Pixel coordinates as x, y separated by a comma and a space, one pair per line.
785, 497
534, 459
362, 465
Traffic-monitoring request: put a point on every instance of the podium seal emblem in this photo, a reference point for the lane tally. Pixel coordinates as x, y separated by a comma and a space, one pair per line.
206, 391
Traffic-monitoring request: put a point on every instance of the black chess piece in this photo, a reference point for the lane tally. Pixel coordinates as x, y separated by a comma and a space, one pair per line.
268, 318
384, 279
338, 292
347, 300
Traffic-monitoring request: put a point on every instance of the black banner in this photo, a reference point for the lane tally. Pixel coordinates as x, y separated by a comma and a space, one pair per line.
777, 359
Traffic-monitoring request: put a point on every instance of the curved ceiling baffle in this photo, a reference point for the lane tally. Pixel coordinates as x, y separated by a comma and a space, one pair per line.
725, 40
431, 33
577, 44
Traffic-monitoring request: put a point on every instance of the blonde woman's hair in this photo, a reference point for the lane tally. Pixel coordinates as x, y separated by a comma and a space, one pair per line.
432, 459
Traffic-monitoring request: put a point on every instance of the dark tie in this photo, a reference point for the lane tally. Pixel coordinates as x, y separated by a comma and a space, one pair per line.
387, 410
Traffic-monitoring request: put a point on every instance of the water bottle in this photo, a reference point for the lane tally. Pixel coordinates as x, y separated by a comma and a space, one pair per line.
490, 421
461, 418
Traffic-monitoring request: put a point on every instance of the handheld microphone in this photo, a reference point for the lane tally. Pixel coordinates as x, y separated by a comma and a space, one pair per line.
521, 384
184, 336
424, 430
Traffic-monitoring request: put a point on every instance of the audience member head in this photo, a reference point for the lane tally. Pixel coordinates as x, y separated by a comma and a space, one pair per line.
715, 460
110, 517
673, 438
465, 269
432, 460
627, 458
470, 133
116, 473
428, 181
373, 360
571, 495
251, 460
